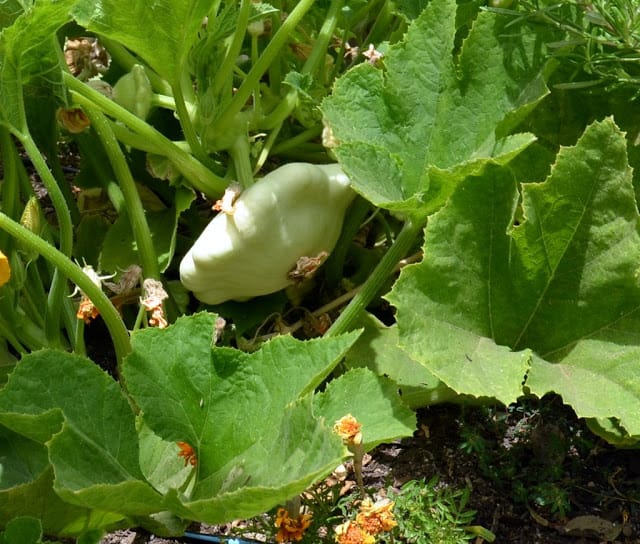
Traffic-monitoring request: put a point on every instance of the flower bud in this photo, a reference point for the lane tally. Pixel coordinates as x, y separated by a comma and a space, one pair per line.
133, 91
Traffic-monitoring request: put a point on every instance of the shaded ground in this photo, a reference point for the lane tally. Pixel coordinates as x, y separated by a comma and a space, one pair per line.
536, 474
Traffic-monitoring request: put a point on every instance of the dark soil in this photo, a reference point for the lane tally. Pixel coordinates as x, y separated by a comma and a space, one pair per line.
534, 471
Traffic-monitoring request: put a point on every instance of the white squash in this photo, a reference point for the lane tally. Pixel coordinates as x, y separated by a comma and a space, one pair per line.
294, 212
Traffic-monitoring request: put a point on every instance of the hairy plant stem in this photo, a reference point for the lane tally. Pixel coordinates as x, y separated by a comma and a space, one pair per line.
225, 72
240, 152
200, 177
53, 316
133, 205
10, 182
370, 288
68, 269
185, 120
314, 63
269, 55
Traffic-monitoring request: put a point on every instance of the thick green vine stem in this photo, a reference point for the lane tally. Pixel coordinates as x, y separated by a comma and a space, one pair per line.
68, 269
10, 194
57, 291
313, 64
252, 81
370, 288
201, 178
133, 205
224, 74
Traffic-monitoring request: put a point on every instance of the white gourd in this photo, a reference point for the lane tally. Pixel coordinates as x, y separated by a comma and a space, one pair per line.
295, 211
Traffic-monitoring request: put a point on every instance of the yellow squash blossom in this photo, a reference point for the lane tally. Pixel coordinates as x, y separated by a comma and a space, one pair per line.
5, 269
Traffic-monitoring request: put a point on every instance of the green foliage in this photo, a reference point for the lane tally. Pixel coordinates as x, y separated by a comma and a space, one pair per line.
601, 40
462, 131
429, 512
410, 133
554, 297
72, 438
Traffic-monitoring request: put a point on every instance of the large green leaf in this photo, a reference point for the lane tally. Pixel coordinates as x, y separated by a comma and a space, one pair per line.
28, 50
255, 436
368, 398
377, 349
249, 416
94, 452
160, 32
409, 133
558, 293
447, 305
26, 489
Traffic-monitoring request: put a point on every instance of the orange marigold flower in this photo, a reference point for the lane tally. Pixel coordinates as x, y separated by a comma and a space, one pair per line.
291, 529
348, 428
187, 452
351, 533
5, 269
376, 518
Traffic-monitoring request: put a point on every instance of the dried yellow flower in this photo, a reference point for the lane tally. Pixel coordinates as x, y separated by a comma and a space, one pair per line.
187, 451
154, 294
86, 57
75, 120
87, 310
291, 529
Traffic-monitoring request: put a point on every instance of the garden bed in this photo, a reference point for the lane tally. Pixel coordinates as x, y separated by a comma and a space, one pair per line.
534, 451
403, 228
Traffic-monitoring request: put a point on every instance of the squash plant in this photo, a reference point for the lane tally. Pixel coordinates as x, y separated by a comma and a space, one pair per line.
526, 281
